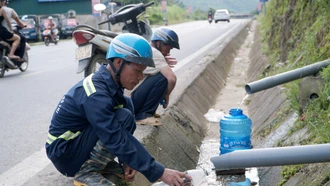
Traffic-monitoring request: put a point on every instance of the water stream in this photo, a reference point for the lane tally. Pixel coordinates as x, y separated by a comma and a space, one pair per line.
210, 148
231, 96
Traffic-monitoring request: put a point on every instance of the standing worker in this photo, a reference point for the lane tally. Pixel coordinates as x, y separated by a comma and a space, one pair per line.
94, 123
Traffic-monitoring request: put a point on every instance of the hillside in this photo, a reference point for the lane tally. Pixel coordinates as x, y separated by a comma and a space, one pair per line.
296, 34
237, 6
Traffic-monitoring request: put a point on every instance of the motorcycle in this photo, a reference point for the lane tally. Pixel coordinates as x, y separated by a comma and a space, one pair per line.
48, 36
210, 19
93, 44
7, 64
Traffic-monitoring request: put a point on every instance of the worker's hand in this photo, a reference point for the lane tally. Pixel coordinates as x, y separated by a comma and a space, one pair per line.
174, 178
129, 173
171, 61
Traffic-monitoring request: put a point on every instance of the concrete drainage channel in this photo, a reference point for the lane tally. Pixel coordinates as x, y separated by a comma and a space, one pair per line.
176, 144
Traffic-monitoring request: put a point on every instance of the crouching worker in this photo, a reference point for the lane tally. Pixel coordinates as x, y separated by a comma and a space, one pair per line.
158, 81
94, 123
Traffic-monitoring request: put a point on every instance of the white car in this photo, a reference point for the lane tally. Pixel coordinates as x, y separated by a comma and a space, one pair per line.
221, 15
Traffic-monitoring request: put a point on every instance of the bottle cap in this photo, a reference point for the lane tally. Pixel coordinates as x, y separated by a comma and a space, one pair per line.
235, 111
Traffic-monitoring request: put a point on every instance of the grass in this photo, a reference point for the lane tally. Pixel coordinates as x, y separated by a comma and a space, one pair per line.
289, 171
308, 41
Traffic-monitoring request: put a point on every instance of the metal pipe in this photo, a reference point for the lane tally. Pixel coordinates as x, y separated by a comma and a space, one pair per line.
285, 77
267, 157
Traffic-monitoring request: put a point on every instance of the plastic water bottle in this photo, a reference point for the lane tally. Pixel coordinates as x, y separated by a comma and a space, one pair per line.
235, 131
247, 182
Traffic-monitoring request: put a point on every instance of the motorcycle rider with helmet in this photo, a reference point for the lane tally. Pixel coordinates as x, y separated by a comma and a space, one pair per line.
52, 26
158, 81
209, 15
94, 123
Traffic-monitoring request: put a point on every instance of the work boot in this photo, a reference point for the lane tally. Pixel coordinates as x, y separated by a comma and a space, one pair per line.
91, 179
90, 172
115, 173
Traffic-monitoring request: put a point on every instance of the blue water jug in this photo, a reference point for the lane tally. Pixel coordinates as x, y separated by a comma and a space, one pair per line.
235, 131
247, 182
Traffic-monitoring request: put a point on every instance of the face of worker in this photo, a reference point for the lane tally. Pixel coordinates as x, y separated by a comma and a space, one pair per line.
165, 49
131, 75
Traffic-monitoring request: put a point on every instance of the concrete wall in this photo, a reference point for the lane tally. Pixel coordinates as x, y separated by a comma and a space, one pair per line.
176, 143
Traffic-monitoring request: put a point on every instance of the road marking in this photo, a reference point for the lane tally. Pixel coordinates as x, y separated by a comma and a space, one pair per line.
34, 73
25, 170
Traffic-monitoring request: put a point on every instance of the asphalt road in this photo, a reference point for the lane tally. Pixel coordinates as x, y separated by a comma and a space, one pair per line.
28, 101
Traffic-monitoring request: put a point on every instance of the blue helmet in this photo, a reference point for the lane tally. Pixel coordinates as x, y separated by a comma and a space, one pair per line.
132, 48
167, 35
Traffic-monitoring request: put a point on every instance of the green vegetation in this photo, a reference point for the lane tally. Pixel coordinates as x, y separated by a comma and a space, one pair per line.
175, 13
307, 36
289, 171
296, 34
177, 10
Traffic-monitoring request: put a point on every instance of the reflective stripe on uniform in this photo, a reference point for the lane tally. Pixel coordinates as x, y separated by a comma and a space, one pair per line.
89, 86
68, 135
118, 106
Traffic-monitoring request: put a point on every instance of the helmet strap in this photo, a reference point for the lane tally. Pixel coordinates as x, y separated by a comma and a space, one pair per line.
117, 72
158, 47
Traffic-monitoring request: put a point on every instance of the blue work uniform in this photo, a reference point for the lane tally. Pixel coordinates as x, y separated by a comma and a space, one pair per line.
96, 109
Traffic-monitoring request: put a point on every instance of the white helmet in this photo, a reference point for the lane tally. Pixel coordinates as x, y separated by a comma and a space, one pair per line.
50, 17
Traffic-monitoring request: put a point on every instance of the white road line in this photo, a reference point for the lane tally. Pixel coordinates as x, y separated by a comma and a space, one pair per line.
25, 170
34, 73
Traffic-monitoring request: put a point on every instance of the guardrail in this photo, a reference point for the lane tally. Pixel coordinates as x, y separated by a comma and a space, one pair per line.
241, 16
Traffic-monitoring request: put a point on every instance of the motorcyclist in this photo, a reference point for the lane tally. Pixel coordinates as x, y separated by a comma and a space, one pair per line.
8, 35
209, 14
14, 20
52, 26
